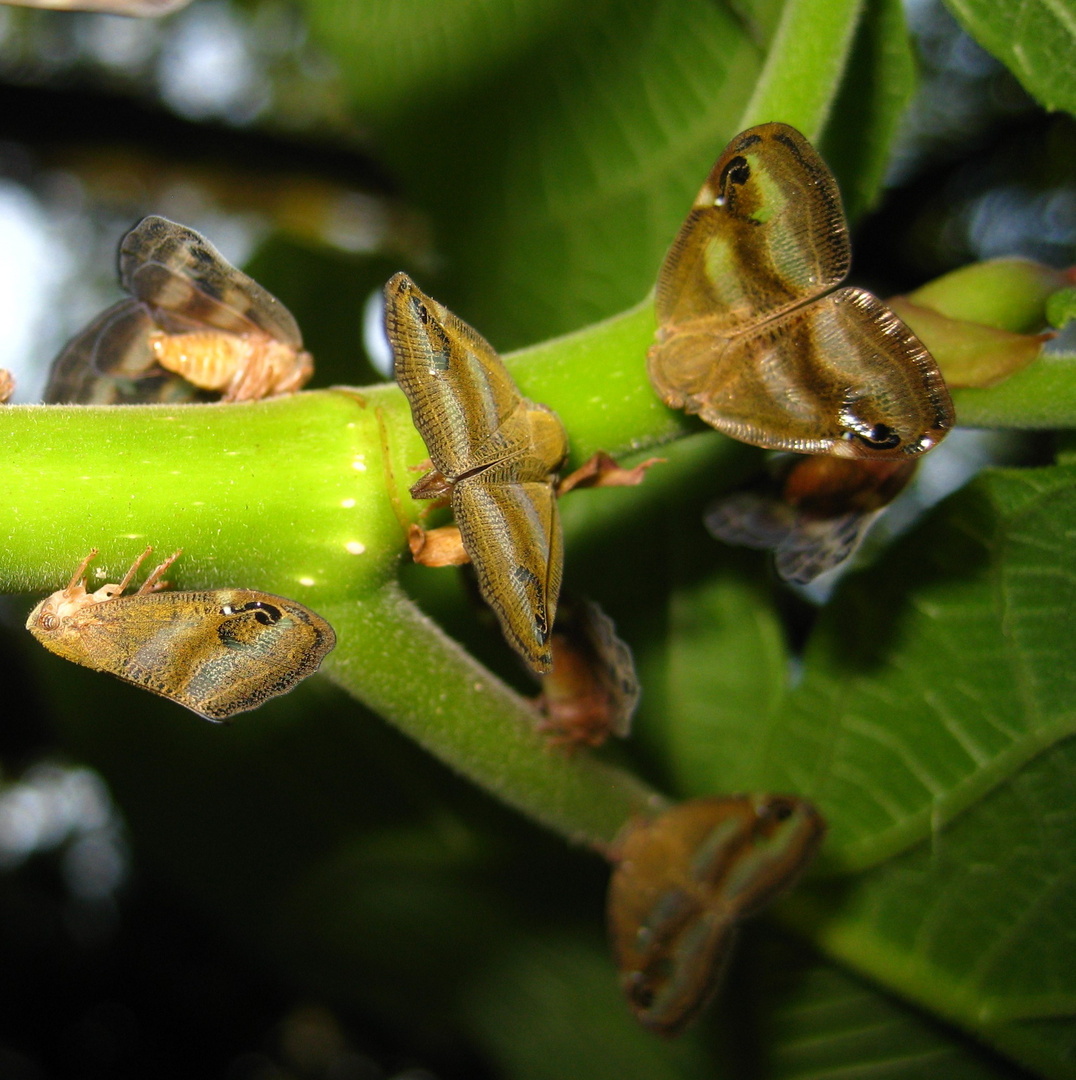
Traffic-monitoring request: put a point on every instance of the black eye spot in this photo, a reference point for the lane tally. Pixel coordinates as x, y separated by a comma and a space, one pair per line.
264, 613
881, 437
877, 436
737, 171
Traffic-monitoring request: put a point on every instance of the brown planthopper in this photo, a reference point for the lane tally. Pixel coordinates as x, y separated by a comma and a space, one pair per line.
217, 652
752, 337
193, 321
684, 880
593, 690
496, 454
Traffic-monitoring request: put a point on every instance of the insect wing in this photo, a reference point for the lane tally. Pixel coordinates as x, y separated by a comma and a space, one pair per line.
593, 689
751, 519
804, 547
189, 285
614, 663
110, 362
263, 646
682, 883
820, 545
766, 232
813, 514
748, 340
512, 532
217, 652
841, 376
463, 401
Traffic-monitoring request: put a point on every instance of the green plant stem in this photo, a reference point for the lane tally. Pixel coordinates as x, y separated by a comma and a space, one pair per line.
596, 381
307, 496
815, 36
399, 663
1041, 396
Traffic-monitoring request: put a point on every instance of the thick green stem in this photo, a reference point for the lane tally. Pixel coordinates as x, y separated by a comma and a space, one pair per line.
596, 381
1041, 396
811, 36
307, 496
288, 495
398, 662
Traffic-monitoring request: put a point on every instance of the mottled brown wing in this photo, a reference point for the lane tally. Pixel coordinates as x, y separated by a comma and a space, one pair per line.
216, 652
747, 339
766, 232
512, 533
683, 881
818, 545
616, 665
841, 376
262, 647
812, 513
110, 363
188, 284
463, 401
804, 547
529, 446
752, 519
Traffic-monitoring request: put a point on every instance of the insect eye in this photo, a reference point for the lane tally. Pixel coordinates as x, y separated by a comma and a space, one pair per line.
49, 622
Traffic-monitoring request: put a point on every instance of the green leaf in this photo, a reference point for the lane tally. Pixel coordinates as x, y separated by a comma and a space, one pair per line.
821, 1022
877, 88
974, 923
399, 51
1034, 39
929, 680
783, 1014
543, 990
559, 177
1061, 307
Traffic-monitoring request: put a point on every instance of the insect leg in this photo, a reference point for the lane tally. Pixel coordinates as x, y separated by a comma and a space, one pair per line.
153, 582
82, 568
130, 574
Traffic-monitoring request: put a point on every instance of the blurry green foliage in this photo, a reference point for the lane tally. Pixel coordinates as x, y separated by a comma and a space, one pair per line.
556, 147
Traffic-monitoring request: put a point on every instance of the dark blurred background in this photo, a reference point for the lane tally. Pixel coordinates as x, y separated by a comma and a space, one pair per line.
228, 118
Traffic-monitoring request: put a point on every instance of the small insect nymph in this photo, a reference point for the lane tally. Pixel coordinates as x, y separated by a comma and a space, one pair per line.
192, 321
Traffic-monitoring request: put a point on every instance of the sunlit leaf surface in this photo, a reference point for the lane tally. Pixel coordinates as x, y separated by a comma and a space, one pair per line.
974, 922
929, 680
1035, 39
